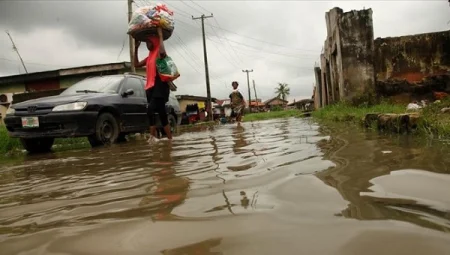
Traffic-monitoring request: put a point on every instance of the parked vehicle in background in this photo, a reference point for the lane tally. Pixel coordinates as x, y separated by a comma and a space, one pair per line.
104, 109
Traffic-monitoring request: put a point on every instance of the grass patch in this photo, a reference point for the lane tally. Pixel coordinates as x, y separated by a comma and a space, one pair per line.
272, 115
432, 121
12, 146
347, 113
7, 144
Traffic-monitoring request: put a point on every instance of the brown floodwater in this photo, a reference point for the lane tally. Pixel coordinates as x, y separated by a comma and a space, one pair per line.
270, 187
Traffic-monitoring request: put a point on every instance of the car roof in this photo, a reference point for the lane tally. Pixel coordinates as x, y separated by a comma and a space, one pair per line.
121, 75
135, 75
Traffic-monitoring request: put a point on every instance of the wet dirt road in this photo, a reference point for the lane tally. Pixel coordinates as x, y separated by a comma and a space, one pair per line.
272, 187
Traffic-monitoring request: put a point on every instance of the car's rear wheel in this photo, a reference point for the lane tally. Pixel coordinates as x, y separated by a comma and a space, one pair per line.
172, 123
106, 130
37, 145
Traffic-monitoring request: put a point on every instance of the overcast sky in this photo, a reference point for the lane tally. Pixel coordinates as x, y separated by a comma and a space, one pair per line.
279, 40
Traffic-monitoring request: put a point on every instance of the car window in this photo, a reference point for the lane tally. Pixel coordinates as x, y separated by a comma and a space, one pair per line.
136, 85
101, 84
173, 100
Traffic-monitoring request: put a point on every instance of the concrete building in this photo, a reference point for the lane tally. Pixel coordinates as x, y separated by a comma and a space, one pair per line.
28, 86
356, 68
184, 100
59, 79
23, 87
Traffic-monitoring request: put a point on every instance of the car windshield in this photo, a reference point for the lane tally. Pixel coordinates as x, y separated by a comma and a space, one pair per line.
104, 84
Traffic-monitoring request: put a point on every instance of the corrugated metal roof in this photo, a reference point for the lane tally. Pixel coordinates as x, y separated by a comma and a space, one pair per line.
63, 72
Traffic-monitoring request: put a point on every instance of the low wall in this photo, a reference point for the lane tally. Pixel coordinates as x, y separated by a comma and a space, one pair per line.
412, 67
17, 98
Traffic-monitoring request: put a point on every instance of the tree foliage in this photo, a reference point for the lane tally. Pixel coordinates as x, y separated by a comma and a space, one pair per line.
282, 90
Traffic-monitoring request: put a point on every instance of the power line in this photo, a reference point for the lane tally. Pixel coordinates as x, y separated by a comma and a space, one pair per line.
227, 40
123, 46
187, 15
189, 52
233, 64
200, 6
184, 2
259, 50
188, 62
263, 41
212, 28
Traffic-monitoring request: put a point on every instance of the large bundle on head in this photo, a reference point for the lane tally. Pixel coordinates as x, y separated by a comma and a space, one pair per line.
145, 20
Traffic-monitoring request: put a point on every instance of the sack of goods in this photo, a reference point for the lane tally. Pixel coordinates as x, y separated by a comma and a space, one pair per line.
167, 69
145, 20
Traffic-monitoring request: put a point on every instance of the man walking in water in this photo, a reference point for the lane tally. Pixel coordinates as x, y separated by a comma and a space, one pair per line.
157, 91
237, 102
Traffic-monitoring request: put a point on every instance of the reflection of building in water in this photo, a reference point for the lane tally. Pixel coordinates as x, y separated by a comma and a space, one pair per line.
203, 247
168, 190
353, 176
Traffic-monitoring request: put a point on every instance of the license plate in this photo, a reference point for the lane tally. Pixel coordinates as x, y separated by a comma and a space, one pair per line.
30, 122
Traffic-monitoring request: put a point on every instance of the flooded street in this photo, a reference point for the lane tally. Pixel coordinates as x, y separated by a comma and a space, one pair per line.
270, 187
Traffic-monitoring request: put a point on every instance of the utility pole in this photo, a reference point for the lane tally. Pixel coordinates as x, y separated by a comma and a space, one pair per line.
17, 51
248, 84
130, 38
208, 89
256, 96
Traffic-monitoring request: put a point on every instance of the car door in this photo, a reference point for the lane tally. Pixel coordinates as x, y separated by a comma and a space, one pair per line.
134, 106
175, 105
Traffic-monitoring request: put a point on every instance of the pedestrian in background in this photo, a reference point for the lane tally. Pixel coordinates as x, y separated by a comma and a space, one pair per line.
237, 102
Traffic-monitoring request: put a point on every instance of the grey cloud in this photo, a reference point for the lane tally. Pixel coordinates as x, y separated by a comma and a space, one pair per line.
93, 32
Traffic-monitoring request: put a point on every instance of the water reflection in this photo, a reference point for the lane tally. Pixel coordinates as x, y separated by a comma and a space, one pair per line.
265, 187
363, 156
168, 189
203, 247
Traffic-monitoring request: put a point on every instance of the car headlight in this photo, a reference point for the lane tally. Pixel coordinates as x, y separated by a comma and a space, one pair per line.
10, 111
70, 107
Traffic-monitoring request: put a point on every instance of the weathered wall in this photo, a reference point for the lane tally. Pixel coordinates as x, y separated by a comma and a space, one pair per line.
346, 65
12, 88
317, 88
412, 58
331, 61
357, 50
412, 67
355, 67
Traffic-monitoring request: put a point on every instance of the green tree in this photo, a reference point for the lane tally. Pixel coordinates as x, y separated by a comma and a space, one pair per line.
282, 90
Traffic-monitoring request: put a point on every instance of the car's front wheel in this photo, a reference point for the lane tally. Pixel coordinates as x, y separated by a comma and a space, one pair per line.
37, 145
106, 130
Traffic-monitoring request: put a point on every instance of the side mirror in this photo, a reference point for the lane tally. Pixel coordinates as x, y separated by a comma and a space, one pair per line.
128, 92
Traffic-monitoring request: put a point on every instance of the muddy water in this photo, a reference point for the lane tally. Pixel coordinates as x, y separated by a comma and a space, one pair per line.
273, 187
